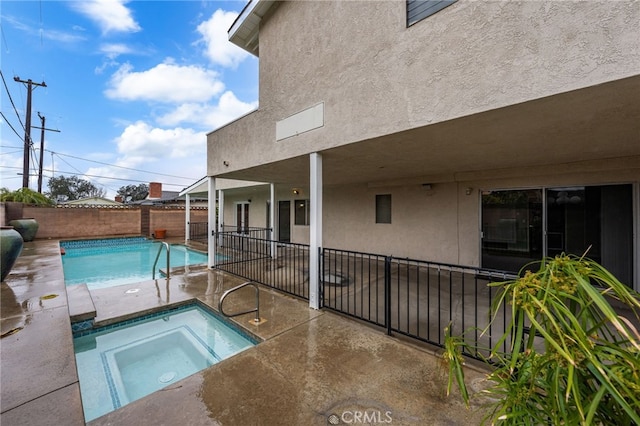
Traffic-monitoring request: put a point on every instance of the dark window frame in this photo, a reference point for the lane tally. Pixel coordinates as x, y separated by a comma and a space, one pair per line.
301, 212
383, 208
417, 10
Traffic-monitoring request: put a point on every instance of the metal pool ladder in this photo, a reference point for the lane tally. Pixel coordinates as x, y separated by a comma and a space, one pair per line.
164, 243
256, 309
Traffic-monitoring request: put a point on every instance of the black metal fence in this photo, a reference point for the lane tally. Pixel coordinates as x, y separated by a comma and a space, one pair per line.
248, 231
414, 298
198, 231
282, 266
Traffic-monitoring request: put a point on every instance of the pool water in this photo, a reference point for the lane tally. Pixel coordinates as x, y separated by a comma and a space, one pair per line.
116, 261
121, 363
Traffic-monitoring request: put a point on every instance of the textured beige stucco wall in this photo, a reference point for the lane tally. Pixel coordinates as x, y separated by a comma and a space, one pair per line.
257, 207
443, 224
422, 221
378, 77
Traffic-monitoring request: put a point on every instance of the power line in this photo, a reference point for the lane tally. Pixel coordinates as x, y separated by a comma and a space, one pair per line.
104, 164
95, 176
121, 167
9, 124
12, 103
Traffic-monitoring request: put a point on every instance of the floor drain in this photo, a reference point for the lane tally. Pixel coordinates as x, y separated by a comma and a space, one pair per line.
167, 377
132, 290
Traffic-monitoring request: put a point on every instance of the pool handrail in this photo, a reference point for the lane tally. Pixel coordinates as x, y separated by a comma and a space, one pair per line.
164, 243
256, 309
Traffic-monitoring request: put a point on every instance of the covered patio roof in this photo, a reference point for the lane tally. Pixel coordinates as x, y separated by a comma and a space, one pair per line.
200, 188
584, 125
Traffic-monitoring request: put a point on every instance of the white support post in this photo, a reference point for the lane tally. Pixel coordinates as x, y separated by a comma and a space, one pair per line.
187, 219
220, 215
315, 228
211, 217
272, 220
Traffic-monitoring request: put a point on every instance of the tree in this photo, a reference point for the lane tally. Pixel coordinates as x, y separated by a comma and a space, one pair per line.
131, 193
72, 188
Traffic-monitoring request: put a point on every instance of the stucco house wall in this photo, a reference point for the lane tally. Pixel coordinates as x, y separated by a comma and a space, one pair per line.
481, 96
377, 77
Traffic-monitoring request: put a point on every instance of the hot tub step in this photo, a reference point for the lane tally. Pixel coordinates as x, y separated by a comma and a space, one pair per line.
81, 307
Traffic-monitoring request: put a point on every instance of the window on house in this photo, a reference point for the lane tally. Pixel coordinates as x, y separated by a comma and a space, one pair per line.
383, 208
417, 10
302, 212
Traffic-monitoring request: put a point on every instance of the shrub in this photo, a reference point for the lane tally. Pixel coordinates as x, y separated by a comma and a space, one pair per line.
24, 195
573, 358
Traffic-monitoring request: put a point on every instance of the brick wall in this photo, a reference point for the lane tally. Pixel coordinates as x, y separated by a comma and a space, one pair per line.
172, 223
83, 222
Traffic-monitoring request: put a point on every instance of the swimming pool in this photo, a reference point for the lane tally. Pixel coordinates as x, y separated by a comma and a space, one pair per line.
121, 363
115, 261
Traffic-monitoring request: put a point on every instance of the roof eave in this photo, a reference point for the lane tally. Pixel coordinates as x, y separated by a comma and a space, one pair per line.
245, 30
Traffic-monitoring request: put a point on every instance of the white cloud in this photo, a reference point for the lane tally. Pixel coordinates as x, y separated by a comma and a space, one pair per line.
142, 141
110, 15
113, 50
172, 153
228, 108
166, 82
218, 48
49, 34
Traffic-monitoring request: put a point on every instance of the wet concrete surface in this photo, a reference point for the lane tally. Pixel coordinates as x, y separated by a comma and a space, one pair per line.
312, 367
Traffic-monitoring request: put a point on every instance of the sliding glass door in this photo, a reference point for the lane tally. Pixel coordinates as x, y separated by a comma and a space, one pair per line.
596, 220
511, 228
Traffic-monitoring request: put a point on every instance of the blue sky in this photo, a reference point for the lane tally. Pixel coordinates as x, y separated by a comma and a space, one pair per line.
133, 87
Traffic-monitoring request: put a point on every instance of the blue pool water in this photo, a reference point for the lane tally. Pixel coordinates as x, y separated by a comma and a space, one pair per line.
116, 261
121, 363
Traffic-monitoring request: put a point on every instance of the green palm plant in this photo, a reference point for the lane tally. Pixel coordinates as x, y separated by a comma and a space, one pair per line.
574, 360
24, 195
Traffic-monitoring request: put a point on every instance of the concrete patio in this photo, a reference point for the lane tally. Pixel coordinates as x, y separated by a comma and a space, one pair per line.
313, 367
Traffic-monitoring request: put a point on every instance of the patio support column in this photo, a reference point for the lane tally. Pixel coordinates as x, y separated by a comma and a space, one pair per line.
272, 220
187, 218
211, 225
220, 215
315, 227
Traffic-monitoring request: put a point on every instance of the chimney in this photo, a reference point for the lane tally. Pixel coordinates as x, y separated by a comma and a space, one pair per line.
155, 190
118, 198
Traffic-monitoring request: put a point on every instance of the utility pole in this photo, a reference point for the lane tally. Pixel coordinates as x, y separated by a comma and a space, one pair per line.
42, 129
27, 129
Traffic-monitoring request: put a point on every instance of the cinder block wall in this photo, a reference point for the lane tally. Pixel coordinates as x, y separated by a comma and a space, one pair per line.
167, 219
172, 219
83, 222
87, 222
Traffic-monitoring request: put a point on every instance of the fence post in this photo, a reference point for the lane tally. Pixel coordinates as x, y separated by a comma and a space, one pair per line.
321, 278
387, 294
